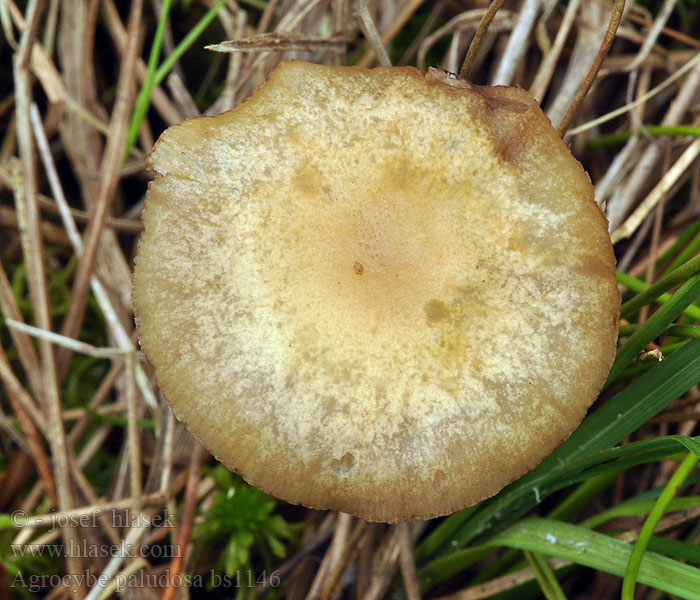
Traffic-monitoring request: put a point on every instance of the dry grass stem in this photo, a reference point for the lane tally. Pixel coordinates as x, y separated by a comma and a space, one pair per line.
128, 543
366, 23
32, 244
332, 556
350, 548
479, 37
655, 238
650, 39
23, 406
165, 107
672, 33
386, 561
407, 564
133, 430
277, 42
25, 349
40, 64
517, 43
690, 64
122, 577
615, 18
66, 342
463, 22
407, 11
107, 184
546, 69
658, 193
185, 523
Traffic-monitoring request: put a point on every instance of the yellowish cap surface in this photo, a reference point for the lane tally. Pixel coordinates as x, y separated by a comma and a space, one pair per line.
377, 291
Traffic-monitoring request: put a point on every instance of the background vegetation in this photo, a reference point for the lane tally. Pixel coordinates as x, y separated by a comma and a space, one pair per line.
86, 86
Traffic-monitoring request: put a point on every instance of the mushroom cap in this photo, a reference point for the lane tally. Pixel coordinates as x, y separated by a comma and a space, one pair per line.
379, 291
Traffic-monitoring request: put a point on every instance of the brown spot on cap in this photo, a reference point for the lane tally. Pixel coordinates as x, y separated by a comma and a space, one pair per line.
435, 310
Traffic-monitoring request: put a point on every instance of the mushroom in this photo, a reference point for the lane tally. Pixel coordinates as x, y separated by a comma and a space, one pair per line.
379, 291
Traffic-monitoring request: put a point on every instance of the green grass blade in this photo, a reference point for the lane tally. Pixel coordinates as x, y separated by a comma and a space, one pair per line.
654, 492
155, 76
629, 509
632, 407
620, 137
445, 567
675, 548
664, 316
598, 551
612, 461
681, 331
187, 41
637, 285
606, 427
664, 284
581, 497
545, 576
259, 4
660, 506
441, 535
144, 98
688, 251
681, 248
